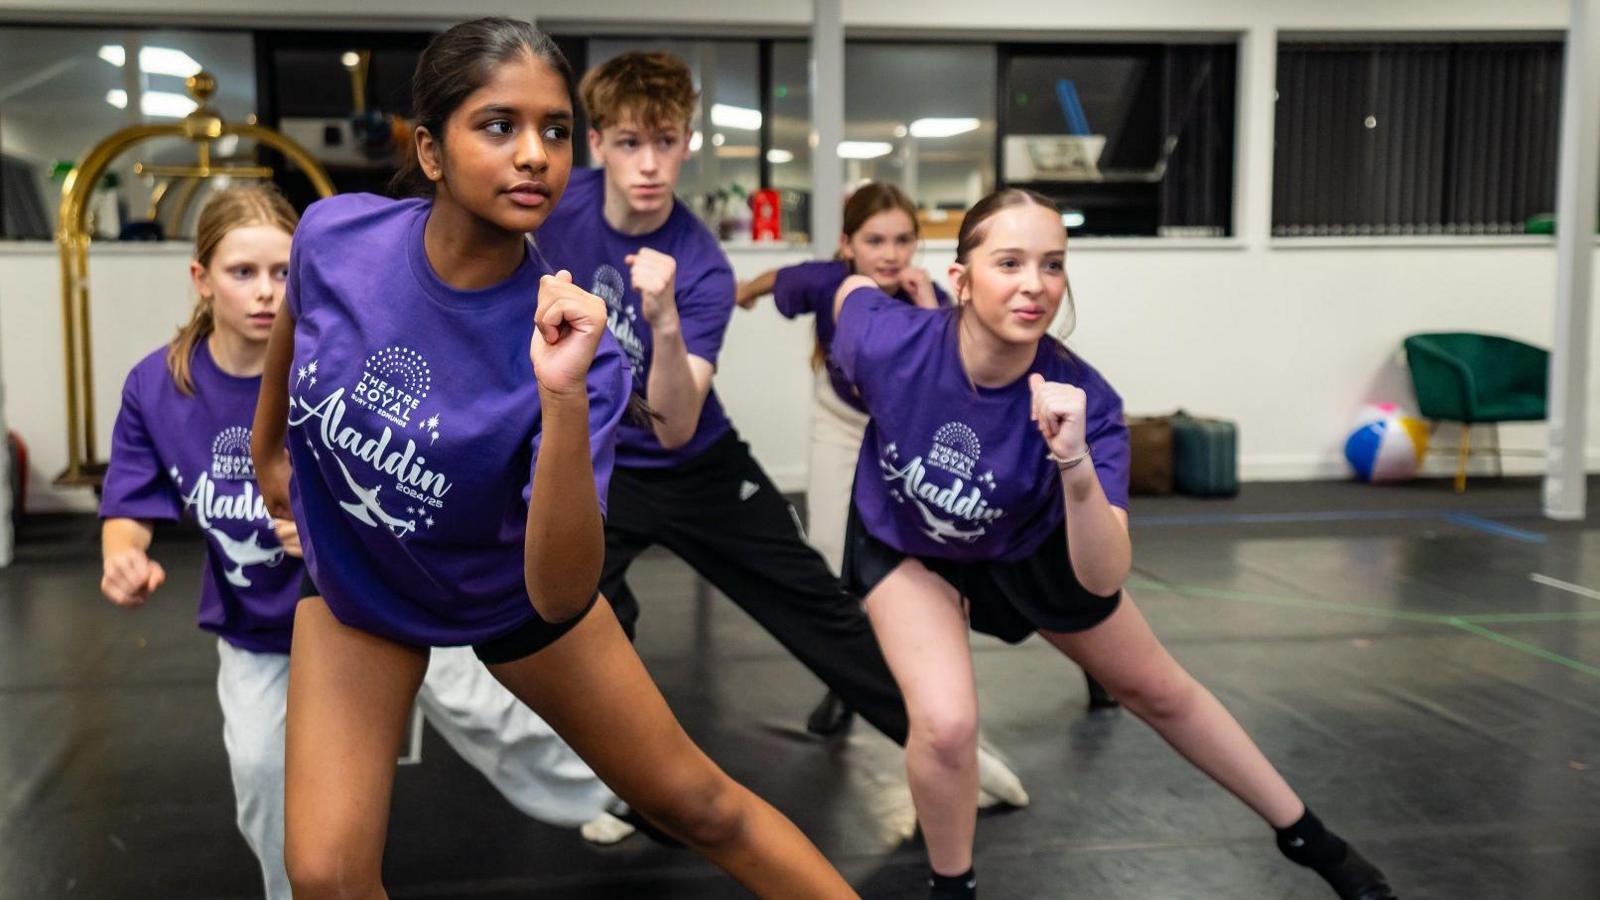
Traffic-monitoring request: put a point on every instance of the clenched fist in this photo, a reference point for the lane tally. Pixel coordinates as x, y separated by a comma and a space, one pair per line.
566, 329
1061, 412
130, 577
655, 278
918, 285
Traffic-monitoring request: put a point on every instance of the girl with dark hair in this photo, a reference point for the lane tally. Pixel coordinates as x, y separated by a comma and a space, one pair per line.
965, 515
450, 448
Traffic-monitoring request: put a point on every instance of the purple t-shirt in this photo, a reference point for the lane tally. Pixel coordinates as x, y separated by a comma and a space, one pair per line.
174, 455
414, 424
956, 471
577, 238
809, 287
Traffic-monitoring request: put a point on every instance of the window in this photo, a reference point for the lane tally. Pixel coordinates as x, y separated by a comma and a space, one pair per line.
1415, 138
343, 96
725, 167
921, 117
1131, 139
62, 90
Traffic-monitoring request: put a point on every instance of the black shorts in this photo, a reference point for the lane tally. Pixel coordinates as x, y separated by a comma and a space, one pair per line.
1009, 600
519, 643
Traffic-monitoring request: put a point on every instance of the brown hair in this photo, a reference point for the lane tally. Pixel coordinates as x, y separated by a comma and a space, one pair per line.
973, 232
656, 90
457, 62
867, 201
234, 207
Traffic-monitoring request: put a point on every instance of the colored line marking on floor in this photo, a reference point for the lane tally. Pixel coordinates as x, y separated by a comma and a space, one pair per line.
1526, 647
1495, 528
1567, 586
1184, 590
1472, 624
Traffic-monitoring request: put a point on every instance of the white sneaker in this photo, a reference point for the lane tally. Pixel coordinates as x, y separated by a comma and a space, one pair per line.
605, 829
997, 783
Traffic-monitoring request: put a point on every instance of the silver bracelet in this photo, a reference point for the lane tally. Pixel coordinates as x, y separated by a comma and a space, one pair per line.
1065, 464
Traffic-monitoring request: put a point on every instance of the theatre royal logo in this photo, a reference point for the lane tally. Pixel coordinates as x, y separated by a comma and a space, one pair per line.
230, 455
621, 319
965, 509
227, 493
393, 383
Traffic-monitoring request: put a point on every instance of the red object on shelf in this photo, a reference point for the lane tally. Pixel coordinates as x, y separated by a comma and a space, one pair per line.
766, 222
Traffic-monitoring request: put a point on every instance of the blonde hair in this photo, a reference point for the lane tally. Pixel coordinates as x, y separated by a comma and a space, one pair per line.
655, 89
234, 207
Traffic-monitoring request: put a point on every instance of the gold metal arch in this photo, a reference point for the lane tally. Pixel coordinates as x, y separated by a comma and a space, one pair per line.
202, 127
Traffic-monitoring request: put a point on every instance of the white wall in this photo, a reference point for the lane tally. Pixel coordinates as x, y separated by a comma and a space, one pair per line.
1286, 338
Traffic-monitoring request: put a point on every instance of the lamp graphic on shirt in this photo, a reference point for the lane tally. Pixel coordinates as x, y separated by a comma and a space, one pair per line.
368, 510
244, 553
207, 506
940, 529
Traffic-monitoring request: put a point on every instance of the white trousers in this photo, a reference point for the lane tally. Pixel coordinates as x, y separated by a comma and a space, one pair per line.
837, 429
492, 730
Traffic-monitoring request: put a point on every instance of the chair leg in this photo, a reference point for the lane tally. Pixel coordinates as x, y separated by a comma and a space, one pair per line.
1461, 458
1499, 461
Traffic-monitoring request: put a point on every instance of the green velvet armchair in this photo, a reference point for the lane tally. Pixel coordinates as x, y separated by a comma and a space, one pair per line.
1478, 379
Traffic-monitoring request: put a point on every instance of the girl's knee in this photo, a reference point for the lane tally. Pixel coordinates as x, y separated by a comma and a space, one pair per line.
1159, 698
324, 872
951, 735
702, 811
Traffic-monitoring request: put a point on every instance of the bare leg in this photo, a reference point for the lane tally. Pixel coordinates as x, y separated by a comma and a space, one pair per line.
922, 628
1123, 654
349, 700
591, 687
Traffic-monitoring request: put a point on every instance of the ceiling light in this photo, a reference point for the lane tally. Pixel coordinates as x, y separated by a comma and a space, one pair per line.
779, 157
864, 149
941, 128
736, 117
153, 60
155, 104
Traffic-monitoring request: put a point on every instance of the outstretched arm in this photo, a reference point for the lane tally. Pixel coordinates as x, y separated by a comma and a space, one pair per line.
756, 288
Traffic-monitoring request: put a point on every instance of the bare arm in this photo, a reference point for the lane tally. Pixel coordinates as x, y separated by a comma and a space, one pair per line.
678, 381
1097, 532
565, 543
678, 385
272, 418
756, 288
1098, 545
129, 574
853, 283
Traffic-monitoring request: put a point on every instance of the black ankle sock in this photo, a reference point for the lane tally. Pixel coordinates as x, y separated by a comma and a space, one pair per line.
952, 887
1309, 843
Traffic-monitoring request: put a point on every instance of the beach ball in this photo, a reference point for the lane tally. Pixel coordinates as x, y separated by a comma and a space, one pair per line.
1386, 444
